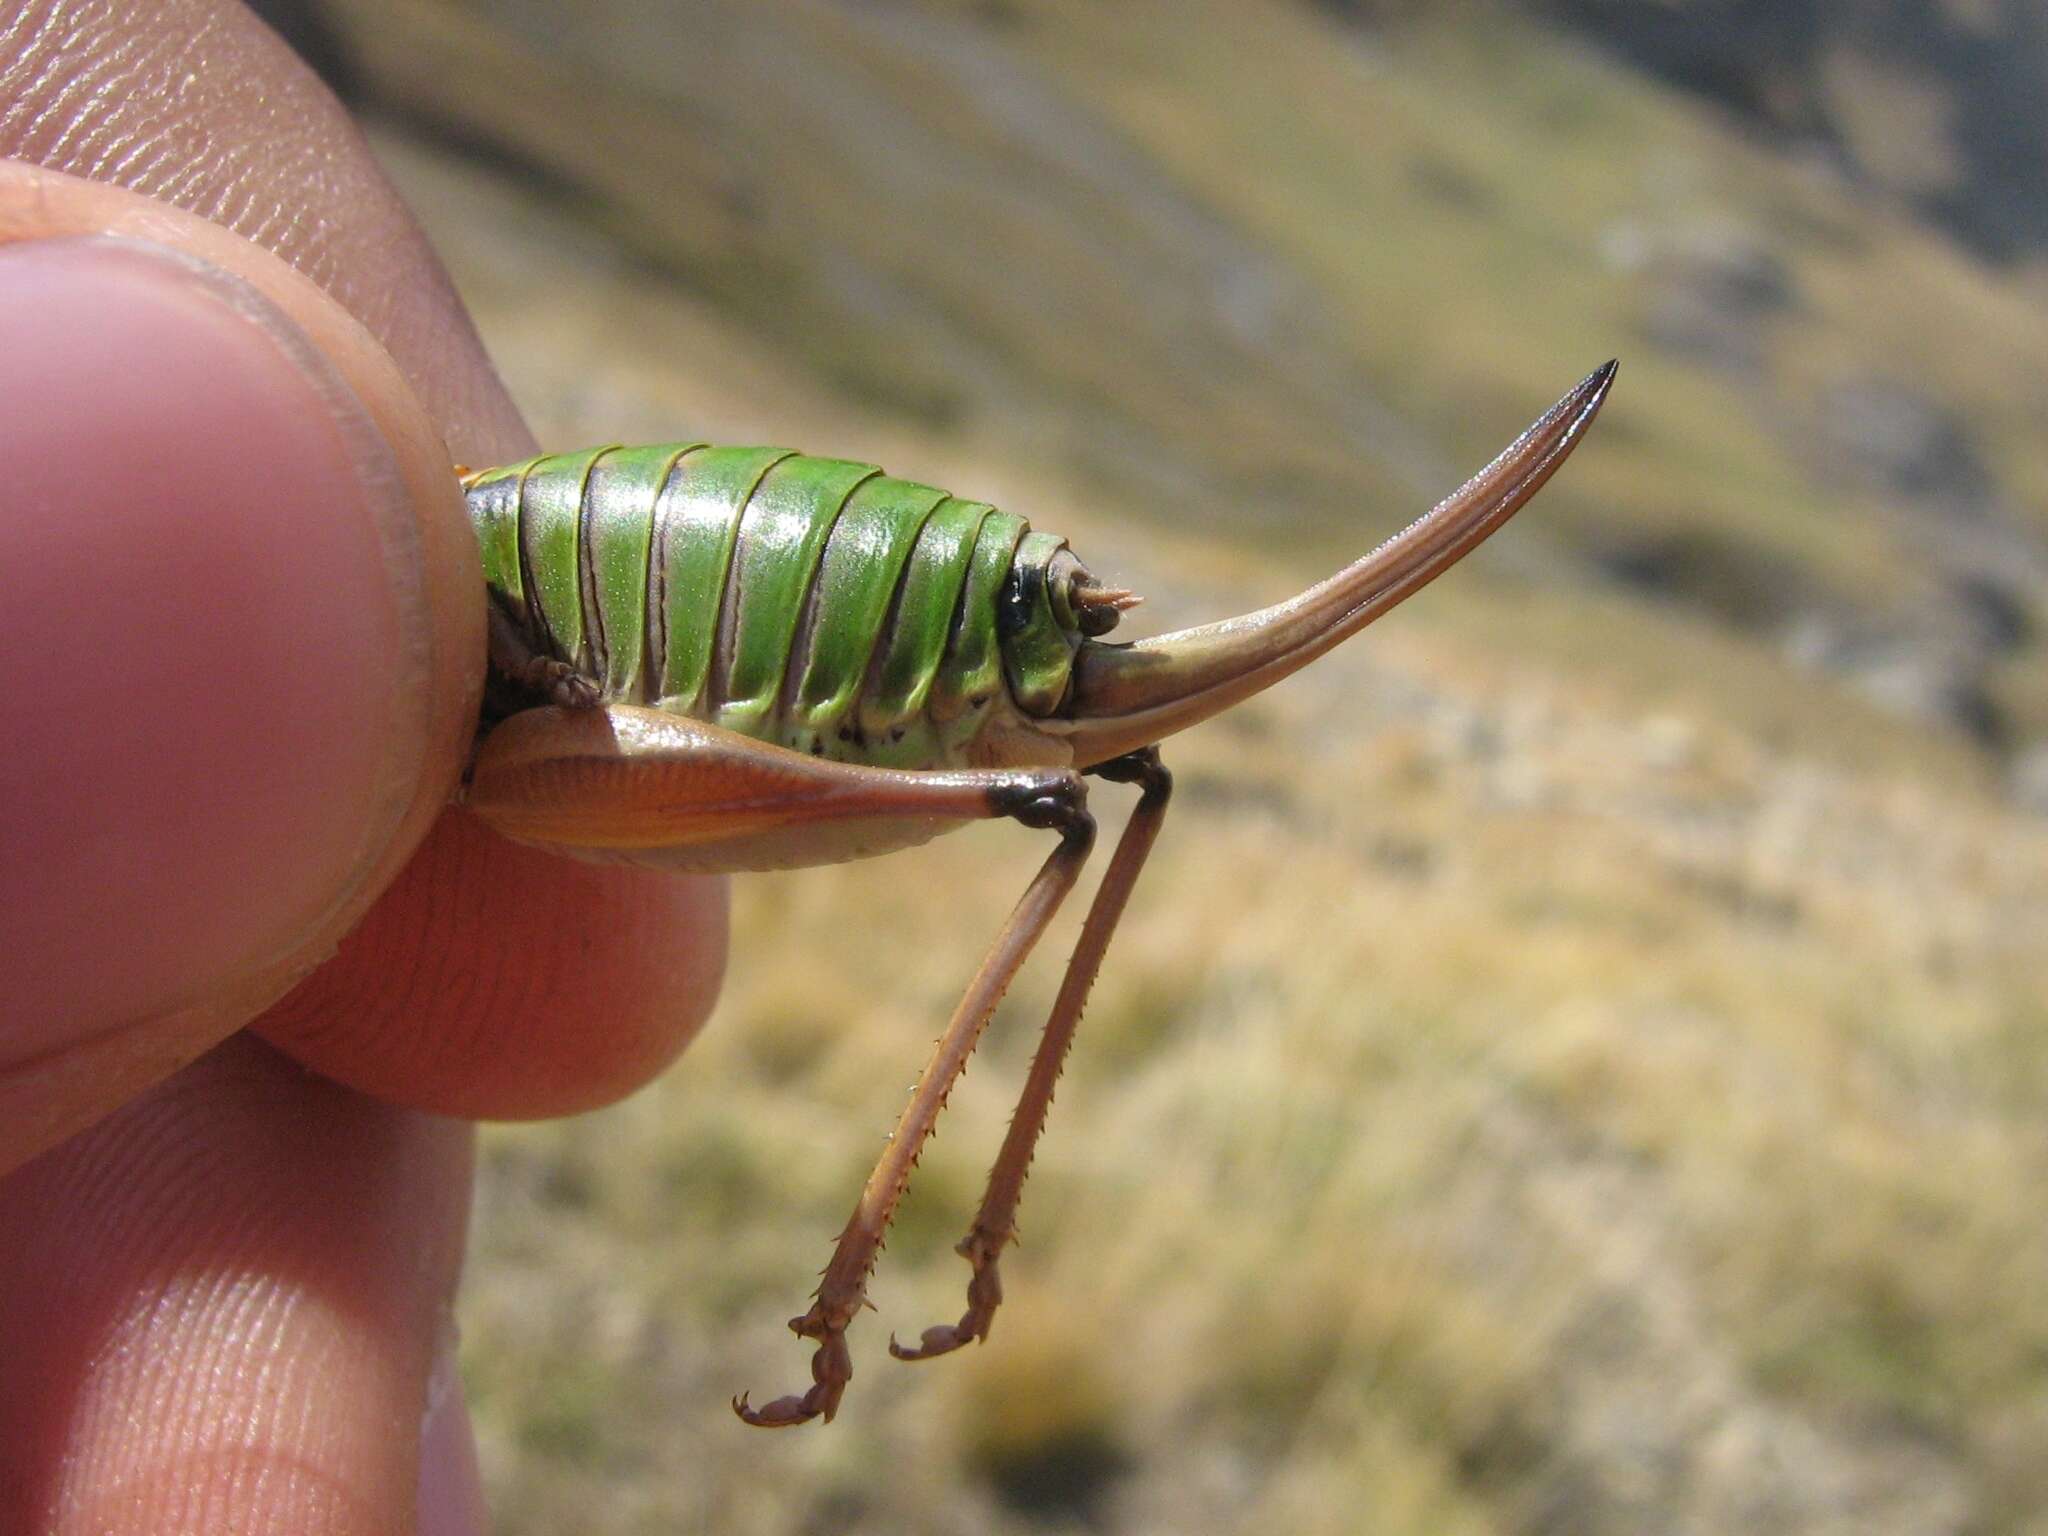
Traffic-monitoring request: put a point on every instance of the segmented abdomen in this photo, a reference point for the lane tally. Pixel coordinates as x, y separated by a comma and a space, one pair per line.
815, 603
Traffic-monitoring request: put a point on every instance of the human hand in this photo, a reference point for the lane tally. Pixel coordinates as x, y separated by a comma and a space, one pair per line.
243, 636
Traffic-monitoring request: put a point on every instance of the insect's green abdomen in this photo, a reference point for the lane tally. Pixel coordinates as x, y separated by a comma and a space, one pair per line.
848, 606
620, 544
815, 603
781, 545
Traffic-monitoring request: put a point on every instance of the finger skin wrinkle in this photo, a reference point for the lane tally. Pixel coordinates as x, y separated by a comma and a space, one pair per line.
197, 103
137, 110
228, 1316
208, 1465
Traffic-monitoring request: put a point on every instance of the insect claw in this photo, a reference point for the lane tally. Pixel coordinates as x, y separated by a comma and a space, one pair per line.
783, 1413
575, 691
941, 1339
984, 1295
831, 1370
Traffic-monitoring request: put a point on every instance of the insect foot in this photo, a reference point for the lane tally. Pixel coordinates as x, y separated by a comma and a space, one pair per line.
984, 1294
560, 683
831, 1370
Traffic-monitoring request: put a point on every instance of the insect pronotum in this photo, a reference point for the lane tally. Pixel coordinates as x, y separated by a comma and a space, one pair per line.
744, 658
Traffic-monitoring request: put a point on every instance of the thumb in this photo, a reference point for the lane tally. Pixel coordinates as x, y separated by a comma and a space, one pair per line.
239, 666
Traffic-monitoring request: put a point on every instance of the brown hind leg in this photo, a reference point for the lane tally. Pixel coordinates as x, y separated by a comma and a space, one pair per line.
622, 778
995, 1225
843, 1291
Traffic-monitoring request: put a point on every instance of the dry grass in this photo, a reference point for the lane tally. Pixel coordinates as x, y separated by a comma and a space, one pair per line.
1569, 1069
1522, 1109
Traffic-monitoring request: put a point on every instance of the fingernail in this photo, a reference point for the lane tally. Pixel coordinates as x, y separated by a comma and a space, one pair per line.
451, 1498
213, 636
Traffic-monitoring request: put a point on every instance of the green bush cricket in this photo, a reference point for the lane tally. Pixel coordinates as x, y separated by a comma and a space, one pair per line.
725, 659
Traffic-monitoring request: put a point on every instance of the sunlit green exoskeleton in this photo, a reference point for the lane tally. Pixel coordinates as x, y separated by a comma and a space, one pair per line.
744, 658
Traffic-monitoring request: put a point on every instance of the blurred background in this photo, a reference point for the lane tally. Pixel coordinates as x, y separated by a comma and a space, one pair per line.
1577, 1063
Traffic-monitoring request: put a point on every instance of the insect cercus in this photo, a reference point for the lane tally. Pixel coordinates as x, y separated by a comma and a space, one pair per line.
719, 659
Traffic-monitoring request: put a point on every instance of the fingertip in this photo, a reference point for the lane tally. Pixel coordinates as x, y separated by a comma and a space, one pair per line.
243, 639
226, 609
